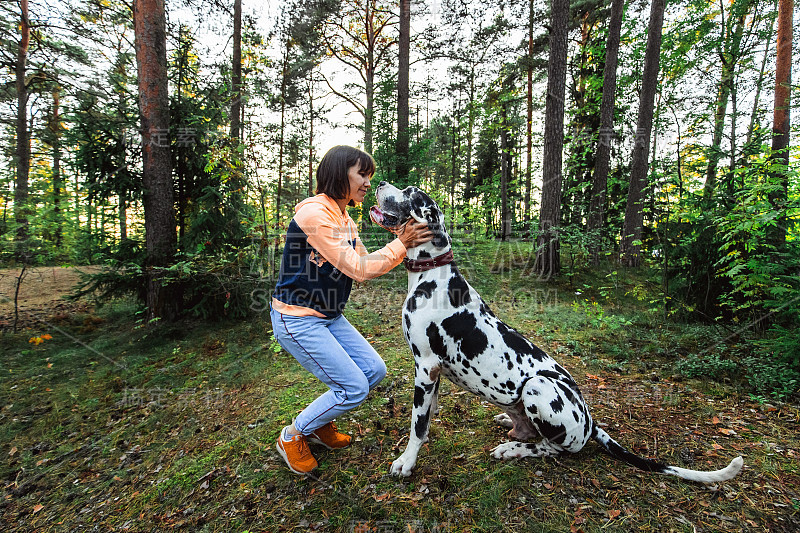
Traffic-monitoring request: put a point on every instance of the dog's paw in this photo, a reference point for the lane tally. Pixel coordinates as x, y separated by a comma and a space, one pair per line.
402, 466
504, 420
509, 450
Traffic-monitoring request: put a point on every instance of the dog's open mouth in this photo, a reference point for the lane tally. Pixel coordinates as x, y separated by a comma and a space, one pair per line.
385, 220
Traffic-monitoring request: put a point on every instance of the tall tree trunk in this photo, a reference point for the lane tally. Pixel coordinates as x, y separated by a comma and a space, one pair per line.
728, 58
122, 193
23, 150
781, 121
90, 209
236, 77
122, 214
470, 124
678, 153
582, 153
237, 184
454, 153
548, 260
634, 213
597, 202
58, 181
180, 147
149, 20
369, 74
526, 216
759, 84
505, 166
279, 189
402, 147
311, 136
101, 221
734, 117
4, 222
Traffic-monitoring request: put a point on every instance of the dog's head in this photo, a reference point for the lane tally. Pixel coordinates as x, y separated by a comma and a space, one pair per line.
396, 207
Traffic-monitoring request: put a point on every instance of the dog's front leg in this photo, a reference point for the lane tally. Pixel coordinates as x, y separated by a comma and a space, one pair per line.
426, 388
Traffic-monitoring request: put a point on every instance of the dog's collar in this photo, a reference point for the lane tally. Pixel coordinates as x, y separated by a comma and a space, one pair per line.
421, 265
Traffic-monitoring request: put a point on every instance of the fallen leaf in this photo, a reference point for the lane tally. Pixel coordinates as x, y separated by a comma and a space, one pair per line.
715, 421
38, 507
613, 514
12, 452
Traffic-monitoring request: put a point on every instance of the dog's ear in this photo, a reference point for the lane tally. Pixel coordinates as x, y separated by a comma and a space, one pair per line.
429, 214
423, 209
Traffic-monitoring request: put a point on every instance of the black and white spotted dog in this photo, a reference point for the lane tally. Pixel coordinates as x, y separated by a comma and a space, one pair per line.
454, 334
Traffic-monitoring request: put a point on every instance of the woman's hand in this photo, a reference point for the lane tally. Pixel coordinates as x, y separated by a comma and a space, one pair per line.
414, 233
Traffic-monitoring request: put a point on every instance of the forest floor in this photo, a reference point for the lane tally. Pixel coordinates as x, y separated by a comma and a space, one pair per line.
109, 426
41, 292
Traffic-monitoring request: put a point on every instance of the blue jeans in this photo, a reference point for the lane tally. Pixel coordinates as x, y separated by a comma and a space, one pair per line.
337, 354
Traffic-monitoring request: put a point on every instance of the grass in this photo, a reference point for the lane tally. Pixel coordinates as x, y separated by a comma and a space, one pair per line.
110, 426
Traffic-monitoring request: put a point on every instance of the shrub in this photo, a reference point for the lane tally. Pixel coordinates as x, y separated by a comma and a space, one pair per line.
708, 365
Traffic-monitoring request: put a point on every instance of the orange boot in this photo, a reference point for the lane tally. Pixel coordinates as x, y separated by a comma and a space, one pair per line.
329, 437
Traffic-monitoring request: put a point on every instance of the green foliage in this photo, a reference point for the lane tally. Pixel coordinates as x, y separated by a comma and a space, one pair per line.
773, 368
213, 284
122, 275
710, 365
217, 285
385, 137
771, 377
597, 317
762, 272
576, 244
777, 371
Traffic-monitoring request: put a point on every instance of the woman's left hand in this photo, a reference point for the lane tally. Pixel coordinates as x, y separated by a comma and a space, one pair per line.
414, 233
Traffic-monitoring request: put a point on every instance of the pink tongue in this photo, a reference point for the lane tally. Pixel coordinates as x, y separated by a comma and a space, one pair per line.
375, 214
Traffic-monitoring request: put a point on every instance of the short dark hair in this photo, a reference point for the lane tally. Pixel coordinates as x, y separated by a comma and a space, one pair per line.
332, 170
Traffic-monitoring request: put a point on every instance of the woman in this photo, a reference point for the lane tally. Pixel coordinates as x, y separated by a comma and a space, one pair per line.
321, 258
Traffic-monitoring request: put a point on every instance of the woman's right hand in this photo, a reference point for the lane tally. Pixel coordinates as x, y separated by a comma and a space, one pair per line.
414, 233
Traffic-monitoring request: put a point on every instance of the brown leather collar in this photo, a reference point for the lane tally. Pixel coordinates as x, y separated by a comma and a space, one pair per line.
417, 265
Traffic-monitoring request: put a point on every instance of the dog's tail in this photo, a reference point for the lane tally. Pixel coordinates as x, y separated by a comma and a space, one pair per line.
615, 450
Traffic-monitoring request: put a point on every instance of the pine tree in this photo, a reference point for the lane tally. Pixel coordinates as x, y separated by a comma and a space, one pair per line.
548, 261
634, 209
782, 121
149, 19
597, 202
402, 91
22, 154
